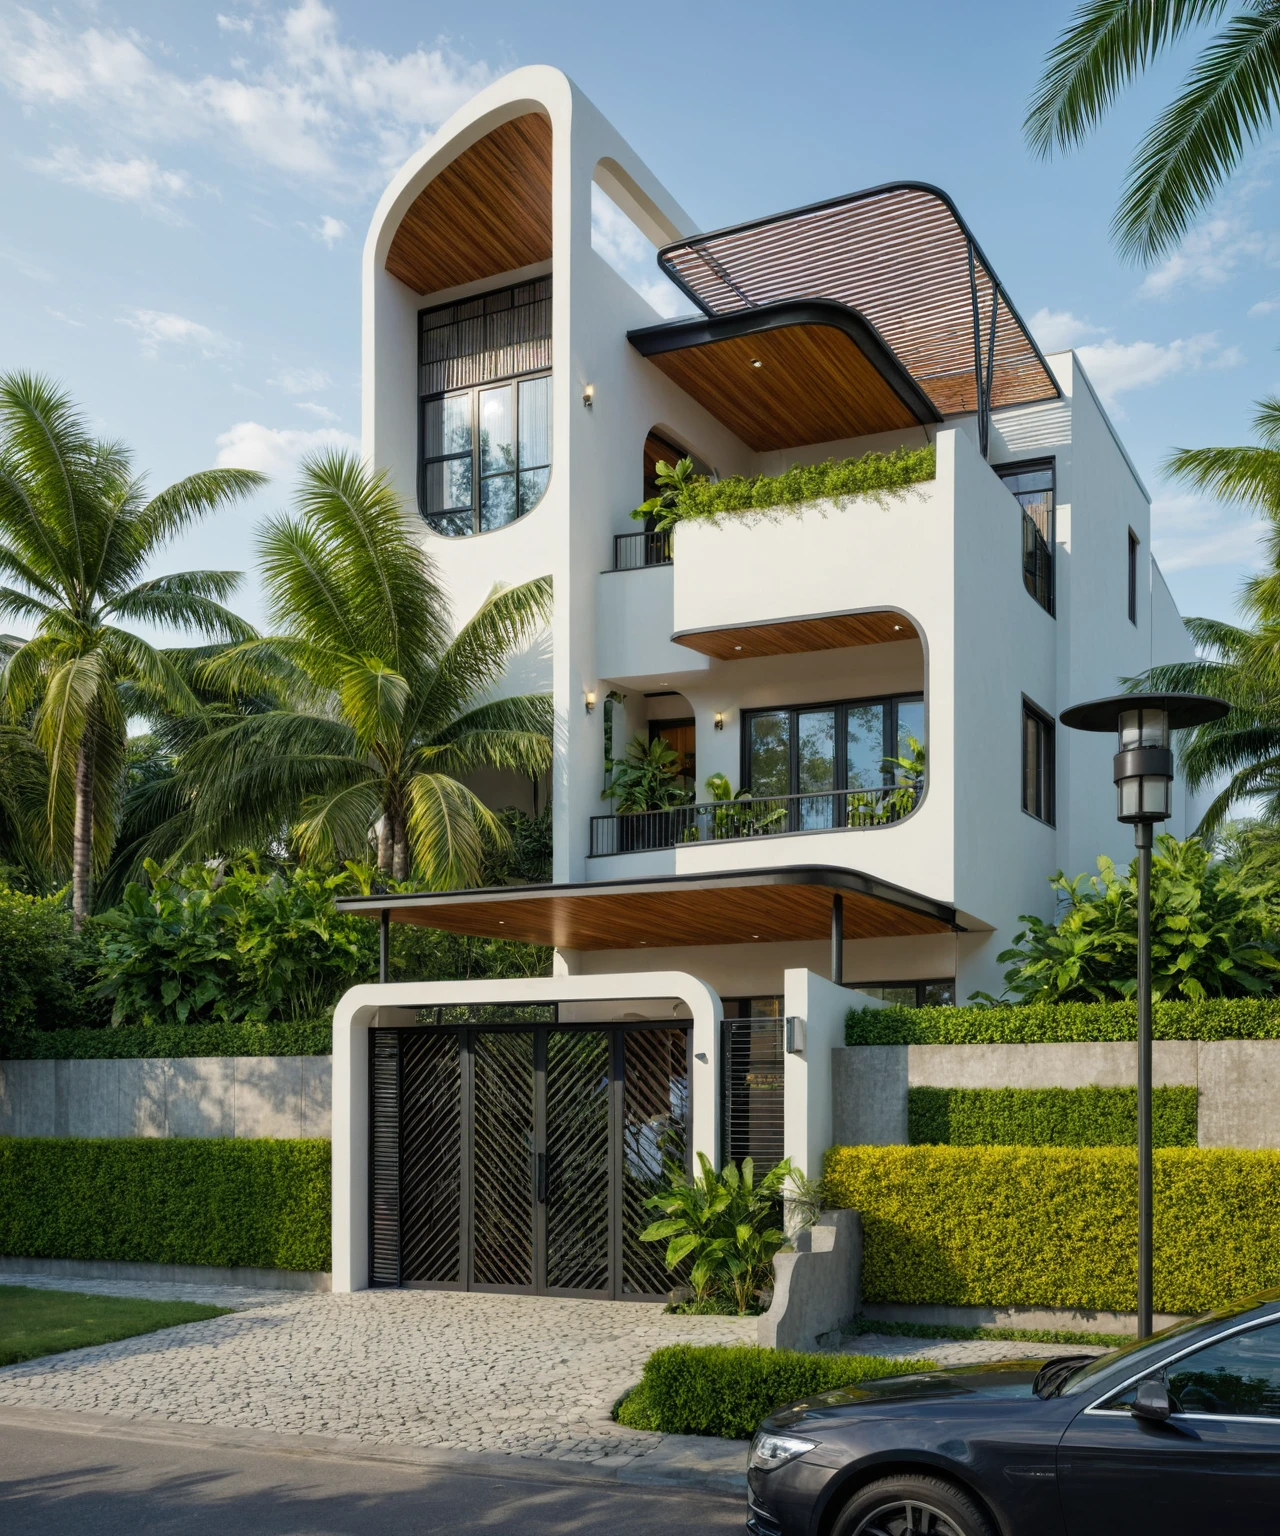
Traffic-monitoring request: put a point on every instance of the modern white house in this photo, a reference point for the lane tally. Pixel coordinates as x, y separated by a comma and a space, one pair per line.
520, 392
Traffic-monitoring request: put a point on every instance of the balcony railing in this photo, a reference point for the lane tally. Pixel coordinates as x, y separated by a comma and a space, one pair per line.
722, 821
635, 551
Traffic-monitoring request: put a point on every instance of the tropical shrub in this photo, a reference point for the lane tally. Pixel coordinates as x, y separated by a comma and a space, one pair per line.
1048, 1117
725, 1390
878, 475
1057, 1226
646, 778
45, 967
1215, 931
1216, 1018
724, 1225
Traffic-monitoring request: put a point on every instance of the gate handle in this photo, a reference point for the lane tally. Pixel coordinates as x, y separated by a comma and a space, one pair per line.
542, 1178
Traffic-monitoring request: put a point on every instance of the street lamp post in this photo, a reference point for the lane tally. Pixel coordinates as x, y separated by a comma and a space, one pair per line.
1144, 780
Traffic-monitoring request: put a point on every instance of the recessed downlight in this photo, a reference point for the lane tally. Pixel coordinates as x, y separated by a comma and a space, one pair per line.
756, 363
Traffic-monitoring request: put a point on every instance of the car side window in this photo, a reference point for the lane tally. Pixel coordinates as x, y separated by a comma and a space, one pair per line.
1239, 1376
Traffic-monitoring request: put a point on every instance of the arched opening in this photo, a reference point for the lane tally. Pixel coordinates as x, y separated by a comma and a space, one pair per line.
662, 446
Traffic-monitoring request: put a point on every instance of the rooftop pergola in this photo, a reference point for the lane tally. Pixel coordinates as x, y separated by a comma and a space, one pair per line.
901, 257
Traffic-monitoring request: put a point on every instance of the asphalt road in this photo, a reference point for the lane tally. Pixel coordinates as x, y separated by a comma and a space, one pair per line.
57, 1482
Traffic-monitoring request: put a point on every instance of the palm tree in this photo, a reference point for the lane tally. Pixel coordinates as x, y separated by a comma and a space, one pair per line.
385, 712
1239, 663
1227, 101
77, 531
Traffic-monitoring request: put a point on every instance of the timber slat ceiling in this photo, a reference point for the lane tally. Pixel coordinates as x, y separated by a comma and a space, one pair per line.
487, 212
788, 637
664, 913
814, 385
900, 256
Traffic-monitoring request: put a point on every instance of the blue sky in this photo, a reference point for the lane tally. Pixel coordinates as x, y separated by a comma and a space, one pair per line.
189, 187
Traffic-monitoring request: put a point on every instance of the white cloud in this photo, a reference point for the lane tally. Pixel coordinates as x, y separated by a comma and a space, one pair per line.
66, 319
276, 450
135, 180
157, 329
330, 230
632, 255
320, 412
307, 102
1191, 533
301, 381
23, 264
1263, 307
1210, 256
1115, 366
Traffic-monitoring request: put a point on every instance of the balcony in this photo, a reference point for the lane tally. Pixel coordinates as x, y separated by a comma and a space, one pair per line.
637, 551
721, 821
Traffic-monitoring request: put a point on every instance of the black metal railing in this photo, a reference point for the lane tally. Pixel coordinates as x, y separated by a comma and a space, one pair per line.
720, 821
635, 551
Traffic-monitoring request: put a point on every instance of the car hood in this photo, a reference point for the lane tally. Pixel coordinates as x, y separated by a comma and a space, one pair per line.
994, 1379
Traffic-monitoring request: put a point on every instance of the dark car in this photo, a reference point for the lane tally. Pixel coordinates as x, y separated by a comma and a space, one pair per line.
1178, 1435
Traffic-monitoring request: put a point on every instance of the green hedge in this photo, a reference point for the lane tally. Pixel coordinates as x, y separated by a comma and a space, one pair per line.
871, 474
1047, 1117
261, 1203
1057, 1226
312, 1037
1217, 1018
725, 1390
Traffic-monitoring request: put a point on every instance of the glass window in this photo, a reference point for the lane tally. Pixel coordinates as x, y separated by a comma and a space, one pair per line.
1239, 1376
1133, 577
769, 764
816, 768
486, 451
910, 713
1037, 764
909, 994
864, 737
1033, 487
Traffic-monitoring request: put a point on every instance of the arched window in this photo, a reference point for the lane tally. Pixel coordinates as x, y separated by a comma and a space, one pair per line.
485, 408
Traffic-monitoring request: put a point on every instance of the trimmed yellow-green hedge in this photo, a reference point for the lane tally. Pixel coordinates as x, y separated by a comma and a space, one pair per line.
179, 1201
1216, 1018
1048, 1117
726, 1389
1057, 1226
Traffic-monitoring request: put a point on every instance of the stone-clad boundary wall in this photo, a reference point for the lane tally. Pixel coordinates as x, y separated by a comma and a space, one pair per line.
233, 1096
1239, 1081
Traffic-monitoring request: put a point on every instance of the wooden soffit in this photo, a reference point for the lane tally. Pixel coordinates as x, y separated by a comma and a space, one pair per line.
487, 212
787, 637
789, 374
768, 906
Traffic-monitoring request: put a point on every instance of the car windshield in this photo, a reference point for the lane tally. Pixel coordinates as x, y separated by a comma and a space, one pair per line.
1133, 1356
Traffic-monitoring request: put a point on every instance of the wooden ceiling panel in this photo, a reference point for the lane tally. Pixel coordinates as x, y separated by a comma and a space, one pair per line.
814, 385
826, 632
674, 911
487, 212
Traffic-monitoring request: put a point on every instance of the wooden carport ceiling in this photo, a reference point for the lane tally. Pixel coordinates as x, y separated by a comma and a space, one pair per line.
487, 212
762, 906
789, 637
789, 375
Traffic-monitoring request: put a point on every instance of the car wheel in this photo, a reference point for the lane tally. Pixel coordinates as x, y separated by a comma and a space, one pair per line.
911, 1506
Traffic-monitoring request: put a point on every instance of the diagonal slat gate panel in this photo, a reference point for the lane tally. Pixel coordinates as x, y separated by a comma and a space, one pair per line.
503, 1177
655, 1118
384, 1178
577, 1177
431, 1157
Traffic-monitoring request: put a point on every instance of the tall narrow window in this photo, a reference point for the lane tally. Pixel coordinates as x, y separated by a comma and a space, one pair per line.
1033, 488
1133, 577
1037, 763
486, 408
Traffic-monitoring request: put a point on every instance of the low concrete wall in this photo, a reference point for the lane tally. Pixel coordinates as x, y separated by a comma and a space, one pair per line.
215, 1096
1016, 1317
180, 1274
1239, 1081
816, 1284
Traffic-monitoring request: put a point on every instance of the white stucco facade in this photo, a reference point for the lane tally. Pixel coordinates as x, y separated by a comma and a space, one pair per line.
947, 556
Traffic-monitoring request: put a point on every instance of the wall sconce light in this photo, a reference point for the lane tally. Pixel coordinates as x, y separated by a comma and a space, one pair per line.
795, 1036
719, 720
589, 395
590, 700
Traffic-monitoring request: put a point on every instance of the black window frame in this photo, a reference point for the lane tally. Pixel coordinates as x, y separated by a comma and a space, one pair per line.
889, 736
1039, 561
1046, 777
473, 390
930, 981
1135, 544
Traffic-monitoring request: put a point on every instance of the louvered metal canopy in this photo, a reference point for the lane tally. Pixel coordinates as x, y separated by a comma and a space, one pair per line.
900, 255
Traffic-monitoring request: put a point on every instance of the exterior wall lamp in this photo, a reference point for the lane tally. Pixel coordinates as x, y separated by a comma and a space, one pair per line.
1143, 774
589, 395
719, 720
590, 700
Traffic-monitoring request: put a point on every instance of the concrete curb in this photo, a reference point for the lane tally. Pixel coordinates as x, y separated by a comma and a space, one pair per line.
676, 1461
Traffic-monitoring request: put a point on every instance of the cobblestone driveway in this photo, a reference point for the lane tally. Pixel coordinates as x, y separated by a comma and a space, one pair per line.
533, 1376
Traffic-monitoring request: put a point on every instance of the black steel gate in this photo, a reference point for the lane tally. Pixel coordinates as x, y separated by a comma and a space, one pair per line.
518, 1157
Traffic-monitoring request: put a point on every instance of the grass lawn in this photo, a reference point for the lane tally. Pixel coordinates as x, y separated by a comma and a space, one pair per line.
34, 1322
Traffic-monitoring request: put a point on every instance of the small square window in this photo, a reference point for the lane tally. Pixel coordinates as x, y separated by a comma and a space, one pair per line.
1037, 763
1133, 576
